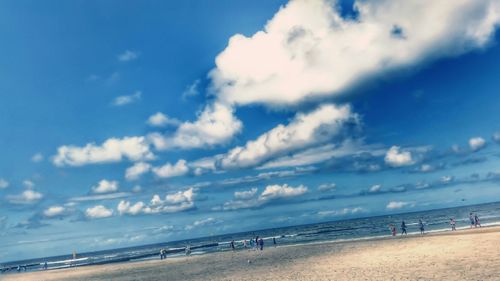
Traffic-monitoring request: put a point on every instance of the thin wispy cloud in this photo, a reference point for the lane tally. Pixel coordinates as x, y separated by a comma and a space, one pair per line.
99, 197
129, 99
4, 183
37, 158
128, 56
191, 90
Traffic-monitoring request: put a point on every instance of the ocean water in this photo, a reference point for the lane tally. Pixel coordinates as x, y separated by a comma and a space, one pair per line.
353, 229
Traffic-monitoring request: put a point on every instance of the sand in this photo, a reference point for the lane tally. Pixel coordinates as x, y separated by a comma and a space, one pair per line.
462, 255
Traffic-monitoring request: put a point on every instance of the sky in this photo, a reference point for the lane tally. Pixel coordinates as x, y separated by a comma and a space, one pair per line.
135, 122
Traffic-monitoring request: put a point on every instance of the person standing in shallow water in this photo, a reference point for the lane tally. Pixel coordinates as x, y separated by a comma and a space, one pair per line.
403, 228
476, 221
421, 226
472, 220
453, 224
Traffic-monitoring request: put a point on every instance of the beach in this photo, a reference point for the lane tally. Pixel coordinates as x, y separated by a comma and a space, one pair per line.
461, 255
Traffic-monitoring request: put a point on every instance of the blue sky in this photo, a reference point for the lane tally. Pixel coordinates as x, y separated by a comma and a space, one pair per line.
140, 122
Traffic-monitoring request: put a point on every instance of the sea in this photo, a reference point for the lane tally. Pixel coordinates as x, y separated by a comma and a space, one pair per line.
343, 230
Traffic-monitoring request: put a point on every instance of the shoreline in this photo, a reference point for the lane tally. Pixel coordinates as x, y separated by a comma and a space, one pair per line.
221, 265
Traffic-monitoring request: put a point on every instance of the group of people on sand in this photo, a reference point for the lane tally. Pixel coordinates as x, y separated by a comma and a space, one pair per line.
392, 228
259, 243
255, 243
474, 220
163, 254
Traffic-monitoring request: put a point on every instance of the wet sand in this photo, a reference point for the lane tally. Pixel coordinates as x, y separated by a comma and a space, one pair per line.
461, 255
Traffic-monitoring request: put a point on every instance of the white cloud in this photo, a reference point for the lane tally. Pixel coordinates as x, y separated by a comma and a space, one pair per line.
496, 137
168, 170
138, 169
397, 205
426, 168
26, 197
397, 158
477, 143
124, 207
161, 120
105, 186
181, 197
128, 56
271, 192
3, 183
98, 212
216, 125
37, 158
28, 184
327, 187
246, 194
124, 100
203, 222
447, 179
173, 203
54, 211
422, 185
310, 50
282, 191
112, 150
341, 212
191, 90
305, 130
375, 188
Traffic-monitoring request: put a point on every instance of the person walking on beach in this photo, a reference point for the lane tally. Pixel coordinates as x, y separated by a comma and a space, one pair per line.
421, 225
232, 245
45, 265
476, 221
261, 244
252, 244
472, 220
403, 228
274, 241
453, 224
188, 250
245, 244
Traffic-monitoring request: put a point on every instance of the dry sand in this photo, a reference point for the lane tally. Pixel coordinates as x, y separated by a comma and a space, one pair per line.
462, 255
